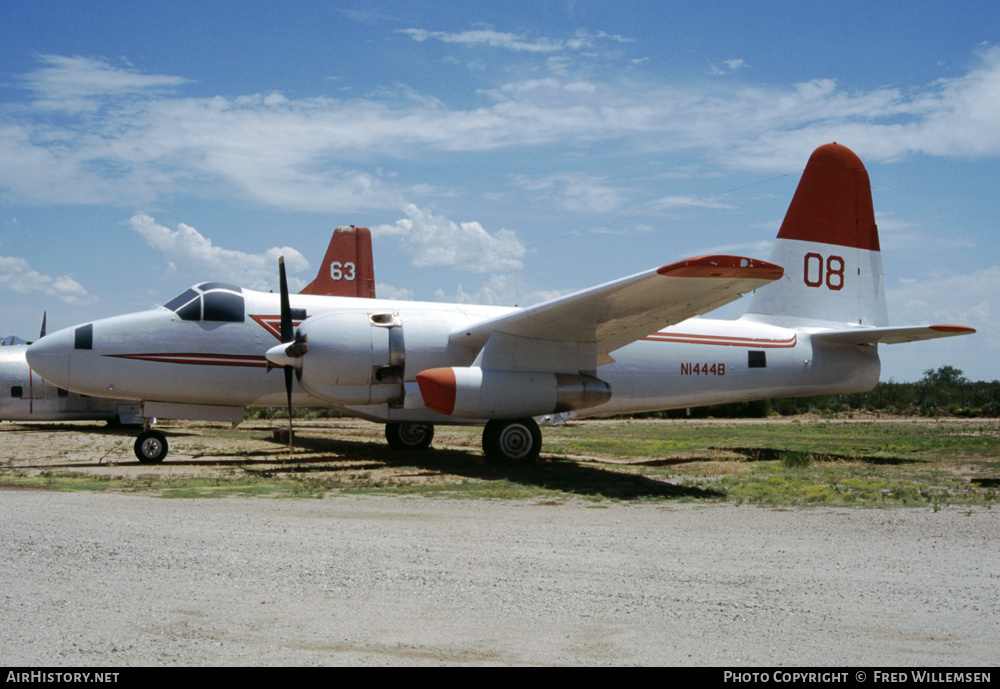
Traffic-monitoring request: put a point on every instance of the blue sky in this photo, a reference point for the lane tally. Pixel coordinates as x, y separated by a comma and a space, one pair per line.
501, 153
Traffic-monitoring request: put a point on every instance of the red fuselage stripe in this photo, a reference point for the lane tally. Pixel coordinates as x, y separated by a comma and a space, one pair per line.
200, 359
720, 340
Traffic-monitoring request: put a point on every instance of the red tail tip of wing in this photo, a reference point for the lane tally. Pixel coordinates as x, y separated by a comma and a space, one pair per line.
723, 267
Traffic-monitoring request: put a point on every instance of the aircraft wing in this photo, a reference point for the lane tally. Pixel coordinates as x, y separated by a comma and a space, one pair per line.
601, 319
891, 335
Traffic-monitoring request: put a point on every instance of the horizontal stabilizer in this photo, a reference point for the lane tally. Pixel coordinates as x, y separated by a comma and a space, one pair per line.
888, 335
617, 313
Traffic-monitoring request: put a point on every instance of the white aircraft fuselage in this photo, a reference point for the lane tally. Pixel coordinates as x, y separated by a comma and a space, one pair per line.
154, 356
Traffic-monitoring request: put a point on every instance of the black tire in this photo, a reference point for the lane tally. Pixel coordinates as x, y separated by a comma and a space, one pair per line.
518, 440
151, 447
409, 437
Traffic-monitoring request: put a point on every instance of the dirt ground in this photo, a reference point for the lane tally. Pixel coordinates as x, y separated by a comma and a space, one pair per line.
332, 448
110, 579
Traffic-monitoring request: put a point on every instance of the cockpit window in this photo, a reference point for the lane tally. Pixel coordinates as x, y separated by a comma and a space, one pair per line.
224, 306
180, 300
222, 303
190, 311
206, 286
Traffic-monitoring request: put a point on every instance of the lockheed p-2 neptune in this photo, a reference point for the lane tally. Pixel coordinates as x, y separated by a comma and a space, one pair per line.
812, 326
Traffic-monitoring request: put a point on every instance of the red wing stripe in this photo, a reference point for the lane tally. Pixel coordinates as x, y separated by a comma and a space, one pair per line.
722, 340
200, 359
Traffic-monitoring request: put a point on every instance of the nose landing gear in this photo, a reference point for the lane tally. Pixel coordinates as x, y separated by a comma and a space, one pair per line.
150, 447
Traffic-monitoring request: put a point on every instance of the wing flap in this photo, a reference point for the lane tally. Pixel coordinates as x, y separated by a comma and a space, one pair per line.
617, 313
892, 335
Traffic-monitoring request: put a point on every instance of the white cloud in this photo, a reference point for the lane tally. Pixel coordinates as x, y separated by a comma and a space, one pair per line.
495, 39
727, 67
188, 252
386, 291
960, 299
575, 191
946, 298
17, 275
435, 241
77, 83
499, 290
582, 39
673, 202
312, 153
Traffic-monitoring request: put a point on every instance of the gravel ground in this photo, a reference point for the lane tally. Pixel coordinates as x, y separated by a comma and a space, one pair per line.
118, 580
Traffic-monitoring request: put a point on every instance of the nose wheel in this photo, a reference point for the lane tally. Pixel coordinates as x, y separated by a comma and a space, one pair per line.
151, 447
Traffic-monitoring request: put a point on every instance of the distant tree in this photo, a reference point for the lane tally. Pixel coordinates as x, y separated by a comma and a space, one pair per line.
946, 375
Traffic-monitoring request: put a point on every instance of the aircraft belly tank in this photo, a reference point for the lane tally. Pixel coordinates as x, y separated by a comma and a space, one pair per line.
475, 393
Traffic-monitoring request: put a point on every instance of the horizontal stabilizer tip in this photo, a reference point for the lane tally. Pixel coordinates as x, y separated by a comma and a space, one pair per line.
891, 335
953, 329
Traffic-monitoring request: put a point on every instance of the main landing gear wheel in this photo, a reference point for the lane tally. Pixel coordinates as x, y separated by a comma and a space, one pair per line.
411, 437
519, 440
151, 447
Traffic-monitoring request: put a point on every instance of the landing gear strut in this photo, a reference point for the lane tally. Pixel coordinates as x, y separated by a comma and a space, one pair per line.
518, 440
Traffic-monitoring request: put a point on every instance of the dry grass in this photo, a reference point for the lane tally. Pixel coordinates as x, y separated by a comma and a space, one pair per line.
803, 461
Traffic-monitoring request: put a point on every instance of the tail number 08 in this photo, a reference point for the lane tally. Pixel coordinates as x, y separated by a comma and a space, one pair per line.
819, 272
342, 271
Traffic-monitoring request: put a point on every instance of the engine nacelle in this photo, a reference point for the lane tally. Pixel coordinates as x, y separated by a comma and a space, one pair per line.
476, 393
354, 357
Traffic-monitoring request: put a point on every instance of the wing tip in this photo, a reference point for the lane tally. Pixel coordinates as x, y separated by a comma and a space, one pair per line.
952, 329
723, 267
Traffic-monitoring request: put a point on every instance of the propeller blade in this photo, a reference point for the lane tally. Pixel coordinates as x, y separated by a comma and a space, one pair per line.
289, 338
288, 391
286, 310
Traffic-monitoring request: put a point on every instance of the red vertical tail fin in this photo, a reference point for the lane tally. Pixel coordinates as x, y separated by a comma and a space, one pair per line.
348, 269
828, 245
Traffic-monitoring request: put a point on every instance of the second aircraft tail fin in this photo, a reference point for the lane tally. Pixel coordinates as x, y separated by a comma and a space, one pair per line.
348, 269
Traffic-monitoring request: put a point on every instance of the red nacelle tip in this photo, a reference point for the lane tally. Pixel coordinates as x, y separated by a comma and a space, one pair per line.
437, 387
